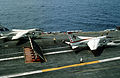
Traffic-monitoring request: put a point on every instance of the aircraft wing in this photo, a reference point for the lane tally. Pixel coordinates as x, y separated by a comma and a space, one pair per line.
20, 33
82, 37
93, 43
3, 37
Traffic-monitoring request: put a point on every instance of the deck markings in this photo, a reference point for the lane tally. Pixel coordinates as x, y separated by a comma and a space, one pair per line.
58, 52
62, 67
11, 58
50, 53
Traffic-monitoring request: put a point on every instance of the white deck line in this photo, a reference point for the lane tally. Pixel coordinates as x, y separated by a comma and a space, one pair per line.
59, 68
43, 49
11, 58
109, 59
19, 57
22, 74
58, 52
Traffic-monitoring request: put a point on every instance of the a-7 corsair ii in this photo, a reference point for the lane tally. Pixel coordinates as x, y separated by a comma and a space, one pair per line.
94, 43
14, 33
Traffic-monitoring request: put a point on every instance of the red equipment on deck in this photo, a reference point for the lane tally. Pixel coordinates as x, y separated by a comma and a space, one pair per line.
34, 53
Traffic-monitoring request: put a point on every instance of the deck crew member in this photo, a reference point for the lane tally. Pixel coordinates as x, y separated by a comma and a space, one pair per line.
54, 39
81, 60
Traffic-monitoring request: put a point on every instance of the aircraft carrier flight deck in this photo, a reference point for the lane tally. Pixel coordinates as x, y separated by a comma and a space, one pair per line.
62, 61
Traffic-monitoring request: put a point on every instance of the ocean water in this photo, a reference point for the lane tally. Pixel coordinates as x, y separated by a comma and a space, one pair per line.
60, 15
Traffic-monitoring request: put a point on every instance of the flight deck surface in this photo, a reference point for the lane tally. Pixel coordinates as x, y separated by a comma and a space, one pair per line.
68, 57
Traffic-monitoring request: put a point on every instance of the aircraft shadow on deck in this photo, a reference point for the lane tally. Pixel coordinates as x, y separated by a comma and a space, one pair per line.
96, 53
22, 41
25, 40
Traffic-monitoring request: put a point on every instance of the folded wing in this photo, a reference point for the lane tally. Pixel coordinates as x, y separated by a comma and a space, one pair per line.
19, 34
93, 43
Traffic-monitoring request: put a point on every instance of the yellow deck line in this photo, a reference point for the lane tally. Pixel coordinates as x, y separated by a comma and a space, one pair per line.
74, 65
59, 68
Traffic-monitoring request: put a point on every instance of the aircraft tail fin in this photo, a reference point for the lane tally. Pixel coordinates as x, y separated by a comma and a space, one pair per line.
72, 37
73, 40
